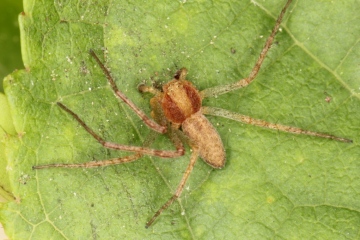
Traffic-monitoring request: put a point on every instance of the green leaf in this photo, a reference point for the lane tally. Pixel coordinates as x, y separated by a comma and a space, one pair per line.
10, 57
6, 128
274, 185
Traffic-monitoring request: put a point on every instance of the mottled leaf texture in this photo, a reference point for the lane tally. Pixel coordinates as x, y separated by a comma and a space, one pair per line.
274, 185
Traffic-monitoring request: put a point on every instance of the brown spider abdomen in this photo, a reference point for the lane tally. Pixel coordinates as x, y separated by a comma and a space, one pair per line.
203, 135
181, 105
180, 100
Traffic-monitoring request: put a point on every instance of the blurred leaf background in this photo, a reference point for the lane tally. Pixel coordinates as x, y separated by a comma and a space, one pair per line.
10, 55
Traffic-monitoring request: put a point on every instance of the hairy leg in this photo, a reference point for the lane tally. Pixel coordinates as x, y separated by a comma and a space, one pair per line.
218, 90
261, 123
138, 149
193, 158
148, 121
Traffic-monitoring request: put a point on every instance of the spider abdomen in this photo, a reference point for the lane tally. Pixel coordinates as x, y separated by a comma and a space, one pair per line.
204, 136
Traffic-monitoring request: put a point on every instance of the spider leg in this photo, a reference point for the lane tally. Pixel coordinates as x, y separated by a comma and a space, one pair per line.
180, 150
143, 88
261, 123
218, 90
101, 163
148, 121
193, 158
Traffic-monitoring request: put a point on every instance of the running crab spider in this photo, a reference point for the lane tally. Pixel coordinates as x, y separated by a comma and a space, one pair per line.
177, 112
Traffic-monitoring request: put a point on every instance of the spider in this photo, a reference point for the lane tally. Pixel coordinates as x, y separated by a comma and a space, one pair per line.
177, 111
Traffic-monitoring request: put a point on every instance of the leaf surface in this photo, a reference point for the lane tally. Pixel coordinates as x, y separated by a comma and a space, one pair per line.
274, 185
